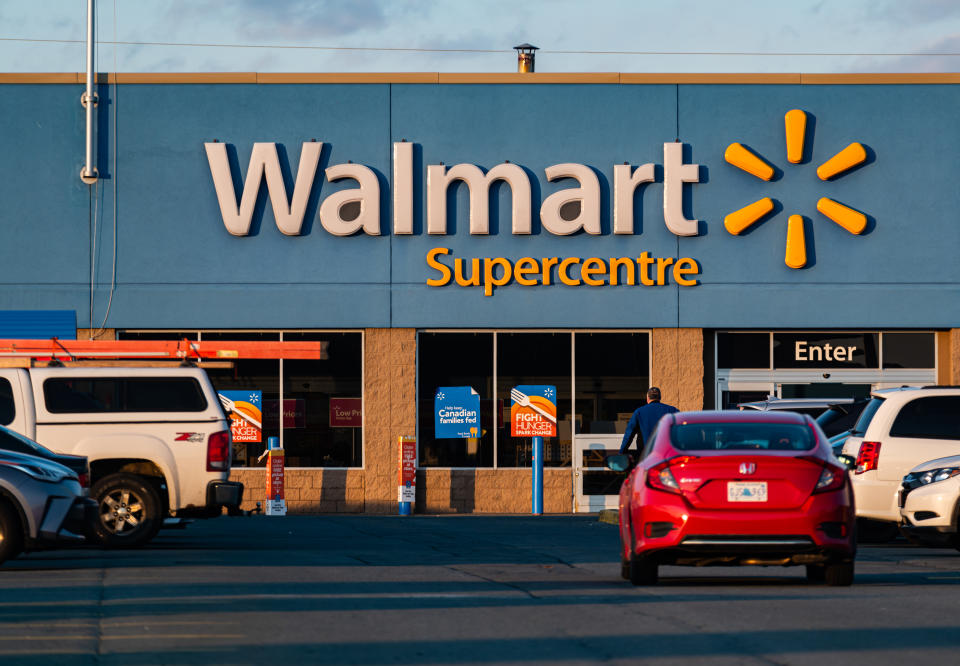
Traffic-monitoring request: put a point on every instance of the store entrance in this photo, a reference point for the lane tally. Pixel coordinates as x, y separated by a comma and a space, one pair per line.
731, 392
729, 399
824, 390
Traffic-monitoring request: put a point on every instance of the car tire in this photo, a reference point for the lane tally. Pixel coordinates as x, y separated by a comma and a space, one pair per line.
838, 574
643, 571
816, 573
129, 511
11, 532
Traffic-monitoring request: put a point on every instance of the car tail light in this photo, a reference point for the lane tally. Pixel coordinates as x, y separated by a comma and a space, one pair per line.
660, 477
868, 457
831, 478
84, 478
218, 451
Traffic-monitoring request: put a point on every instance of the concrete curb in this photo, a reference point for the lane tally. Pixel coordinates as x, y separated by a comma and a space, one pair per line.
609, 516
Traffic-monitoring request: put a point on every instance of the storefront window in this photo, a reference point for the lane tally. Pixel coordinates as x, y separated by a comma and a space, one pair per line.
612, 377
456, 359
322, 404
743, 350
909, 350
533, 358
250, 381
322, 411
612, 374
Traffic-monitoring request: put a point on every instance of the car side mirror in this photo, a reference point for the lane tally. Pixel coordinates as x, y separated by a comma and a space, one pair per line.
618, 463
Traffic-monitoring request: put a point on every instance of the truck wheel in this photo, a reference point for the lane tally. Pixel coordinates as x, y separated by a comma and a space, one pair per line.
11, 532
129, 510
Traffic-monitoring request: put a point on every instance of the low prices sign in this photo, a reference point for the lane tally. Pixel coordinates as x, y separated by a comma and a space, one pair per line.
294, 413
533, 411
407, 487
346, 412
246, 418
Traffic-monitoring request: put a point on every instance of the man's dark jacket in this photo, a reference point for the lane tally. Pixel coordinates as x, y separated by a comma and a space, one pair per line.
644, 420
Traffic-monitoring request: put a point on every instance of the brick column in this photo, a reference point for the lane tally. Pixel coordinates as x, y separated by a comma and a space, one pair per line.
677, 366
389, 408
948, 357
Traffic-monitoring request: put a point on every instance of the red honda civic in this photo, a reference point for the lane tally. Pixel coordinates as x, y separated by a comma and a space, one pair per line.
734, 488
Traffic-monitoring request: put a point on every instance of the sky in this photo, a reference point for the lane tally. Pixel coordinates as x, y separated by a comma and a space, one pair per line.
807, 36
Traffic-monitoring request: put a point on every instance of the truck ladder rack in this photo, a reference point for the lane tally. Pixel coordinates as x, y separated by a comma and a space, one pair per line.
182, 350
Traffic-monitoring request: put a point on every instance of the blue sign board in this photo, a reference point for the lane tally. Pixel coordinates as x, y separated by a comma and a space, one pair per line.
456, 411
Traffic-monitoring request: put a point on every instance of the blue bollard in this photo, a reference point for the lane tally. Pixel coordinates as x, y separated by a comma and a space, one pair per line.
537, 476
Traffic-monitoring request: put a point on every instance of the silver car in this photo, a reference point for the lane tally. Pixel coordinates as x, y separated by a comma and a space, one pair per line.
41, 504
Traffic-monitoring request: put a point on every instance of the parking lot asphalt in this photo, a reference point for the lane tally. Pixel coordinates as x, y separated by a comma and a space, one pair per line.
456, 589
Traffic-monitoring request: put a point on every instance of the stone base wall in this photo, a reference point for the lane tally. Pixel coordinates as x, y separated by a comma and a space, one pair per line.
438, 491
491, 491
677, 366
308, 490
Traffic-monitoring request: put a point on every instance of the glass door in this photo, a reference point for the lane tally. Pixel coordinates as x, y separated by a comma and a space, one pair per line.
595, 486
731, 392
824, 390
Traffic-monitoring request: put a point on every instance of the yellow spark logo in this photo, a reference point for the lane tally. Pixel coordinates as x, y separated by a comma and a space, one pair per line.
795, 122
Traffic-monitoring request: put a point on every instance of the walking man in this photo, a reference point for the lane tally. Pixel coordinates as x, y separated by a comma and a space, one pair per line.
645, 419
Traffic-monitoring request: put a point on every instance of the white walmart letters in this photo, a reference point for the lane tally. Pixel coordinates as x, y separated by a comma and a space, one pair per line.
289, 213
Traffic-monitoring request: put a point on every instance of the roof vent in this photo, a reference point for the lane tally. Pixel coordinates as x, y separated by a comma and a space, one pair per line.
525, 56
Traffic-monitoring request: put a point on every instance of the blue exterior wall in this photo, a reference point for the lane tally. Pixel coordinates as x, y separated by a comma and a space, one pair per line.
176, 265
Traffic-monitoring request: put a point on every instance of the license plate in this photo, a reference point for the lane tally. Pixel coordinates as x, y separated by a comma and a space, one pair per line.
746, 491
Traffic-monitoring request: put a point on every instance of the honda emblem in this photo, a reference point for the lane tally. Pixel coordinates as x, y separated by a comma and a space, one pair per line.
748, 468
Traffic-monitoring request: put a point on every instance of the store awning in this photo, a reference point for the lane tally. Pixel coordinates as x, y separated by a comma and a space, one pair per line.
38, 324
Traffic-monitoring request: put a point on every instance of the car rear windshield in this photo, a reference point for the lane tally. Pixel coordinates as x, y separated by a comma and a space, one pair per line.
867, 415
76, 395
742, 436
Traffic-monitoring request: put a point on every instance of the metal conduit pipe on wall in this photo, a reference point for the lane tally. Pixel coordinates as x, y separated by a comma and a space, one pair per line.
89, 100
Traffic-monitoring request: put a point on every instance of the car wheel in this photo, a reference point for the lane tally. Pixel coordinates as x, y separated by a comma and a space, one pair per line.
11, 532
643, 571
838, 574
816, 573
129, 511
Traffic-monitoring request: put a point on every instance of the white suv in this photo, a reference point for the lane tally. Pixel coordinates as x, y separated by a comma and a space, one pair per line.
901, 429
930, 501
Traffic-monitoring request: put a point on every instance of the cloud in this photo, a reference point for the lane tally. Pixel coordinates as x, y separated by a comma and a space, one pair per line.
928, 59
304, 21
914, 11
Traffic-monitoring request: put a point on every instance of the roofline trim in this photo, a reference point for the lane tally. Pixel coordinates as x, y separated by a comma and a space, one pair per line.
622, 78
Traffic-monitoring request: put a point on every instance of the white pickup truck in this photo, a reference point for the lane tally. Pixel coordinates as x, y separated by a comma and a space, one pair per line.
157, 439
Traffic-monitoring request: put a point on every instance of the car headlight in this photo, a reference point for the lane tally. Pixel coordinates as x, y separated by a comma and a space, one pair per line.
934, 475
39, 472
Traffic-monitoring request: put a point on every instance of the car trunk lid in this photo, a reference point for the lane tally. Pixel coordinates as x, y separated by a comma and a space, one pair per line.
748, 481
